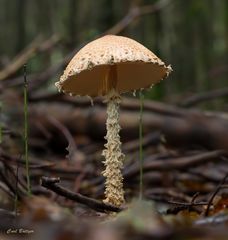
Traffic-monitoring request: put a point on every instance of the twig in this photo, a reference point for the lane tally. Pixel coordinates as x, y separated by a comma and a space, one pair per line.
180, 206
52, 184
126, 103
36, 46
189, 205
202, 97
193, 201
9, 183
19, 161
204, 175
37, 79
214, 194
135, 13
5, 189
72, 148
180, 163
149, 139
20, 190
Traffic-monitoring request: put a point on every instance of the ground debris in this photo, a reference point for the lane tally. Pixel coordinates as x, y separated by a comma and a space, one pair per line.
184, 185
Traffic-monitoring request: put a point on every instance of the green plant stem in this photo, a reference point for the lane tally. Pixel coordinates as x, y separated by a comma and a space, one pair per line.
26, 132
16, 192
141, 145
0, 122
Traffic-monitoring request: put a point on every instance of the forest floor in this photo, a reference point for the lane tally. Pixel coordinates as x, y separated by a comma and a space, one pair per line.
185, 172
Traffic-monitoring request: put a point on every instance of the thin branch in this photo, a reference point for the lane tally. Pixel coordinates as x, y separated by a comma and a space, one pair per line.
36, 46
218, 188
52, 184
135, 13
202, 97
71, 148
177, 164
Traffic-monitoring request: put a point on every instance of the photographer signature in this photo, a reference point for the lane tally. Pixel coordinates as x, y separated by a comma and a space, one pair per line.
19, 231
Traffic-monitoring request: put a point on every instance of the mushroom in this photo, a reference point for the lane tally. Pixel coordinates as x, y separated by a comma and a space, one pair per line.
107, 67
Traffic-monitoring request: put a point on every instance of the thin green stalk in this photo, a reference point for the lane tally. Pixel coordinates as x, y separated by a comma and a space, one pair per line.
141, 144
16, 192
0, 122
26, 132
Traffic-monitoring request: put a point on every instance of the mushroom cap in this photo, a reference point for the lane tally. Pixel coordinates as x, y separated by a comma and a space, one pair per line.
136, 67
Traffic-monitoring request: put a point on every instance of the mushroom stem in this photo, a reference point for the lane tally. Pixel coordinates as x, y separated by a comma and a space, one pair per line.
114, 157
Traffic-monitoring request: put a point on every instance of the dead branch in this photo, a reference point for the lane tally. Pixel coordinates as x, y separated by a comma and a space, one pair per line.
218, 188
148, 140
180, 127
52, 184
71, 143
8, 176
177, 163
170, 193
36, 46
37, 79
136, 12
34, 164
202, 97
127, 104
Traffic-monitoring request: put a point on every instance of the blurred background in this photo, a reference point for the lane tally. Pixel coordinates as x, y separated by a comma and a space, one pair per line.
190, 35
183, 149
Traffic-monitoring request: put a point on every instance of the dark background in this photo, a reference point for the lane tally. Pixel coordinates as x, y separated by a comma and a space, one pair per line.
190, 35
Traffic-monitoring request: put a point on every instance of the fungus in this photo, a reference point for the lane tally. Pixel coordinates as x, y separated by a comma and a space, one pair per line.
107, 67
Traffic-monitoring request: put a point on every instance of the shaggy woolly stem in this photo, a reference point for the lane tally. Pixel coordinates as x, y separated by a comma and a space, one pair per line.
114, 157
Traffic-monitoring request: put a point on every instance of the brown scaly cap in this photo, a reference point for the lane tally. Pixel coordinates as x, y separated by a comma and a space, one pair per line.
137, 67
